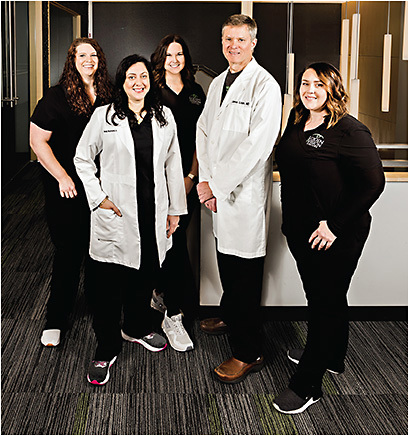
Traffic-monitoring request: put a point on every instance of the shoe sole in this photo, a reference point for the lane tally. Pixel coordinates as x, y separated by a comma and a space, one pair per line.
141, 342
95, 383
310, 402
297, 362
256, 368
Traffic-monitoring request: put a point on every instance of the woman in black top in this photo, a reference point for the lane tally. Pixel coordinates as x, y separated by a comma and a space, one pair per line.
56, 126
331, 175
174, 78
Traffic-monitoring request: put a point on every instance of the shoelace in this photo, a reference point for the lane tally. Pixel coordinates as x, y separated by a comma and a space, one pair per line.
180, 329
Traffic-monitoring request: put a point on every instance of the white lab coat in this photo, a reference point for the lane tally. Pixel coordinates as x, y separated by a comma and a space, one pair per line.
234, 146
116, 239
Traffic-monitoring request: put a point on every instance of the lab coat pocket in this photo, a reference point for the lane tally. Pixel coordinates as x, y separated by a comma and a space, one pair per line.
237, 118
107, 225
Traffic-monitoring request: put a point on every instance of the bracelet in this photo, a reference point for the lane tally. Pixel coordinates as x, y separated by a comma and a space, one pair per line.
103, 201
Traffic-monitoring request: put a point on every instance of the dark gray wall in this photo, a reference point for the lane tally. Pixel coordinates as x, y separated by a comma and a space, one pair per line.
316, 36
123, 28
126, 28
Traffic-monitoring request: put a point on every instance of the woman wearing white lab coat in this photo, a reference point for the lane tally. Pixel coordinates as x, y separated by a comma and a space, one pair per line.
135, 201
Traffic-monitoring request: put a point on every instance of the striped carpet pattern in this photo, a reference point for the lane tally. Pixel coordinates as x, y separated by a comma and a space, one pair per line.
44, 391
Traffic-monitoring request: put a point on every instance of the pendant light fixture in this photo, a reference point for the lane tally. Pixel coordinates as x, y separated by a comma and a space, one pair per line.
288, 96
353, 72
343, 61
247, 8
386, 70
405, 34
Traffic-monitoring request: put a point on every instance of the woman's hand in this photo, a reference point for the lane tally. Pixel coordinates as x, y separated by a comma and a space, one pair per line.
189, 183
108, 204
67, 186
322, 237
172, 223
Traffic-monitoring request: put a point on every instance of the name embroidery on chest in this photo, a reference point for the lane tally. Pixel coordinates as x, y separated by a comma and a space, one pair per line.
194, 99
315, 140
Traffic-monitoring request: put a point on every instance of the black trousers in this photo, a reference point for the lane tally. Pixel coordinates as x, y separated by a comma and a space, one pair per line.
242, 281
326, 276
120, 290
69, 225
176, 279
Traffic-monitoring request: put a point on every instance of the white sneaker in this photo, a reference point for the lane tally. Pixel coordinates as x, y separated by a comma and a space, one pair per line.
51, 338
176, 333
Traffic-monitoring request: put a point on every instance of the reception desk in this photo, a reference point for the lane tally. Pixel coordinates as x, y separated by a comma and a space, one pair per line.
381, 278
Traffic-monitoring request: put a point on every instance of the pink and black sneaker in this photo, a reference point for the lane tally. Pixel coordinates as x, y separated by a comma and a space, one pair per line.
98, 371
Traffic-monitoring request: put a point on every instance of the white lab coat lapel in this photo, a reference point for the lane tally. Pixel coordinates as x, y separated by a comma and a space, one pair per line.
238, 85
125, 135
157, 134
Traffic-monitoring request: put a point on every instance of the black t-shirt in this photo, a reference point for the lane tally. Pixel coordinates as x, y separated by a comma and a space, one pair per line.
332, 174
186, 108
54, 114
230, 78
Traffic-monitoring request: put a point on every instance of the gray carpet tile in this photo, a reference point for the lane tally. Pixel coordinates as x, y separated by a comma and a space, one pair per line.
45, 391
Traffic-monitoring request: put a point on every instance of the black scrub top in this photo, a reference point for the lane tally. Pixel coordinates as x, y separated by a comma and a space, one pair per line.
54, 114
145, 191
186, 108
332, 174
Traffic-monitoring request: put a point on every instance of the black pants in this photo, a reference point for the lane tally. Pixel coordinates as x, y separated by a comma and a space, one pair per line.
69, 224
326, 276
120, 289
242, 281
176, 277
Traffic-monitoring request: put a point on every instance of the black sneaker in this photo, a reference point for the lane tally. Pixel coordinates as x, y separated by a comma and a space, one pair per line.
157, 302
290, 403
152, 342
98, 371
295, 355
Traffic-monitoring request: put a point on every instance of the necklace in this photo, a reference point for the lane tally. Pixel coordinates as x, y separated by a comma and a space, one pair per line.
140, 116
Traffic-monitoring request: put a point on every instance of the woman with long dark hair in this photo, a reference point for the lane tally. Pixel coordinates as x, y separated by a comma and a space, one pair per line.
56, 127
175, 81
331, 175
135, 201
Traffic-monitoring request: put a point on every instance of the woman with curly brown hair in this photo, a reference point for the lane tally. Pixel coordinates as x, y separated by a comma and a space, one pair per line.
56, 127
331, 175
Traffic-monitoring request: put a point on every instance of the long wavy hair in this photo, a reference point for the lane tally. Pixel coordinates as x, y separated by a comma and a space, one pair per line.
121, 104
158, 59
337, 98
73, 84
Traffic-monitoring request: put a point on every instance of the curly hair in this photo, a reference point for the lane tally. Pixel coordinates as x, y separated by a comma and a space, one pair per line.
73, 84
158, 59
121, 105
337, 98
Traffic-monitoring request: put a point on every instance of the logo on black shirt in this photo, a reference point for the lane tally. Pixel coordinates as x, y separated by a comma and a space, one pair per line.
194, 99
315, 140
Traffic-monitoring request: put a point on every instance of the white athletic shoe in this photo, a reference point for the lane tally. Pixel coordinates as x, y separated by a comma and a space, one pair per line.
51, 338
176, 333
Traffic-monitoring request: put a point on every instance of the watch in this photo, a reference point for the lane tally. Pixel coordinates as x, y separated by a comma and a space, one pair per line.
192, 177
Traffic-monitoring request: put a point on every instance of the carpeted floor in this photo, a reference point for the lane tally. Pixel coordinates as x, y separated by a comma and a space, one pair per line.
44, 391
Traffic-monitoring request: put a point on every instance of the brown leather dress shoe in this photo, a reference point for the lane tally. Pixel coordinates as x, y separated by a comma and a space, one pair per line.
234, 371
213, 326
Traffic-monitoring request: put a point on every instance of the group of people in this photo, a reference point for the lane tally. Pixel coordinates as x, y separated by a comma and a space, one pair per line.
126, 164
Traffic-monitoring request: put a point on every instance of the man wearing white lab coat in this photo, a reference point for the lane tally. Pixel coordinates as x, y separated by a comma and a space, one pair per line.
236, 134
